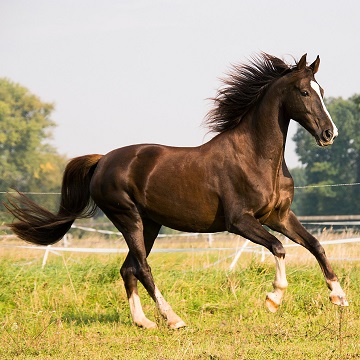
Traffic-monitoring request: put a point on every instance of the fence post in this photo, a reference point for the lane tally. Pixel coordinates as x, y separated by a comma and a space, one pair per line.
262, 254
46, 255
66, 240
210, 239
238, 254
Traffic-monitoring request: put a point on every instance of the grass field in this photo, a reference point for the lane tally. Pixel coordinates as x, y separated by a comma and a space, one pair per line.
76, 307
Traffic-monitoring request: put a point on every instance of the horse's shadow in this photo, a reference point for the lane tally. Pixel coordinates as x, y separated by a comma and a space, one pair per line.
81, 318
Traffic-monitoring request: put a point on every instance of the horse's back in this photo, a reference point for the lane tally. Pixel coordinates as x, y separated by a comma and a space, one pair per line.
170, 185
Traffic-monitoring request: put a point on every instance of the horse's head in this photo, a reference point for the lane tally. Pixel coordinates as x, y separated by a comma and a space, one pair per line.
304, 102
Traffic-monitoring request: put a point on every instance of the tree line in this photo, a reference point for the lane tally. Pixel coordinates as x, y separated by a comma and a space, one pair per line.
29, 164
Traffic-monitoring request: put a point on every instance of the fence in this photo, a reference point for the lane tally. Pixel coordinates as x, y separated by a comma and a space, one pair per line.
236, 252
345, 220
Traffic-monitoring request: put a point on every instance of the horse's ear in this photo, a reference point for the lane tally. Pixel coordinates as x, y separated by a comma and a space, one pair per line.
302, 63
315, 65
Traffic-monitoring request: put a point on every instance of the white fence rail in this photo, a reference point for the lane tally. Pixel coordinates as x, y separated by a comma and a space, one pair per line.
246, 246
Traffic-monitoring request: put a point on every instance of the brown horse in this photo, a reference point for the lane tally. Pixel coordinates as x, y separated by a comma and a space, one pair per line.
238, 181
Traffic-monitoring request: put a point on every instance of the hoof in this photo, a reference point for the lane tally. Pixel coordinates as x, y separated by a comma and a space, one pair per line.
146, 324
177, 325
339, 300
272, 303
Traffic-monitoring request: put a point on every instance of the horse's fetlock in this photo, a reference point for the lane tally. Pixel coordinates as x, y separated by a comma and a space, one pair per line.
282, 285
278, 250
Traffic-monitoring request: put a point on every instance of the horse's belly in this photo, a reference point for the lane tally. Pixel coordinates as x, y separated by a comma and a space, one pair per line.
187, 213
190, 224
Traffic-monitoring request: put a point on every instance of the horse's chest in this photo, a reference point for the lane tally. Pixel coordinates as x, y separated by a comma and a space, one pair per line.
276, 199
263, 196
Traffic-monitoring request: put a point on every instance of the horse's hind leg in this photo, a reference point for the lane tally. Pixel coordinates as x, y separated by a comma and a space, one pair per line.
130, 283
140, 241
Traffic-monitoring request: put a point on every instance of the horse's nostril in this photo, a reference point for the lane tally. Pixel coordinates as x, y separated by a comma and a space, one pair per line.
327, 135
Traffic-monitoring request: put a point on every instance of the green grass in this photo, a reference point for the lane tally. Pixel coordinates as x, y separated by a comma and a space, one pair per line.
76, 308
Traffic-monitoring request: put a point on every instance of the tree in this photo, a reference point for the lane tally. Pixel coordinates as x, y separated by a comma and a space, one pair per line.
27, 162
299, 176
336, 164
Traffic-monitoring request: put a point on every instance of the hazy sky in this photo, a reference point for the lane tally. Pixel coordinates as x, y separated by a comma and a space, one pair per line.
122, 72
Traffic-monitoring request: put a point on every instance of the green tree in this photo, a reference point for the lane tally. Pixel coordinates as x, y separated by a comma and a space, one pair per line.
27, 162
336, 164
299, 176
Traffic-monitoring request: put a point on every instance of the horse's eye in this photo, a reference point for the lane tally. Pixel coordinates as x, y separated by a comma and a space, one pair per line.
304, 93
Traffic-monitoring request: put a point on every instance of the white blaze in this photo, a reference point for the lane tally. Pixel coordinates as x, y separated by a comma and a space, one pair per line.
316, 87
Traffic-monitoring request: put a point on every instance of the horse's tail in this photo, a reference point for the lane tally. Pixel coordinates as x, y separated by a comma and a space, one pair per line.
40, 226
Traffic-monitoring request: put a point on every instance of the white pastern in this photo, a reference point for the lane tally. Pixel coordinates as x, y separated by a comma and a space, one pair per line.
280, 276
337, 295
163, 306
316, 87
274, 299
137, 312
173, 320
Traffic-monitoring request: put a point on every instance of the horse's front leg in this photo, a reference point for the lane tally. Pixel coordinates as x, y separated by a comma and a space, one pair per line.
291, 227
250, 228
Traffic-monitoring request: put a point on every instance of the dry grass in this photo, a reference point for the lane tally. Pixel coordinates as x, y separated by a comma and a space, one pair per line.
76, 307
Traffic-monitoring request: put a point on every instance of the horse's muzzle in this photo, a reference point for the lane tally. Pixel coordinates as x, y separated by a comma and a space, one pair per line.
326, 138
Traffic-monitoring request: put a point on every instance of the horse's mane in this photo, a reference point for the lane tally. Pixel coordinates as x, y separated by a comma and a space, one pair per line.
242, 90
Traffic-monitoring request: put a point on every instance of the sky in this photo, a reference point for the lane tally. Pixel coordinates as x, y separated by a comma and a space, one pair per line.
121, 72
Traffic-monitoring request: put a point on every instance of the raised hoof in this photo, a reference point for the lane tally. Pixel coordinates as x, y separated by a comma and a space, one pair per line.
271, 302
178, 325
339, 300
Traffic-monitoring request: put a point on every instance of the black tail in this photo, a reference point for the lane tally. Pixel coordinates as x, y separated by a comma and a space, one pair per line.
38, 225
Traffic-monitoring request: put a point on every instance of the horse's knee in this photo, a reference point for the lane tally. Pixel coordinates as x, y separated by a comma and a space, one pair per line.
278, 250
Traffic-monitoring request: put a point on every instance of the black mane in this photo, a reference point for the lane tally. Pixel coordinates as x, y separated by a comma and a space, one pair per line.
242, 89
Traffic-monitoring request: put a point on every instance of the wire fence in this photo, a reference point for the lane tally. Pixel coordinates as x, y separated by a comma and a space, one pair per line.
295, 187
325, 185
235, 252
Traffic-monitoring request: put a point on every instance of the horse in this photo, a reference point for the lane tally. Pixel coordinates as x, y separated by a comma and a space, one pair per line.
238, 181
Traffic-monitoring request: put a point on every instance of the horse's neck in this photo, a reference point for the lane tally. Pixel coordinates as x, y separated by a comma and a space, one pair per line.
270, 129
262, 133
